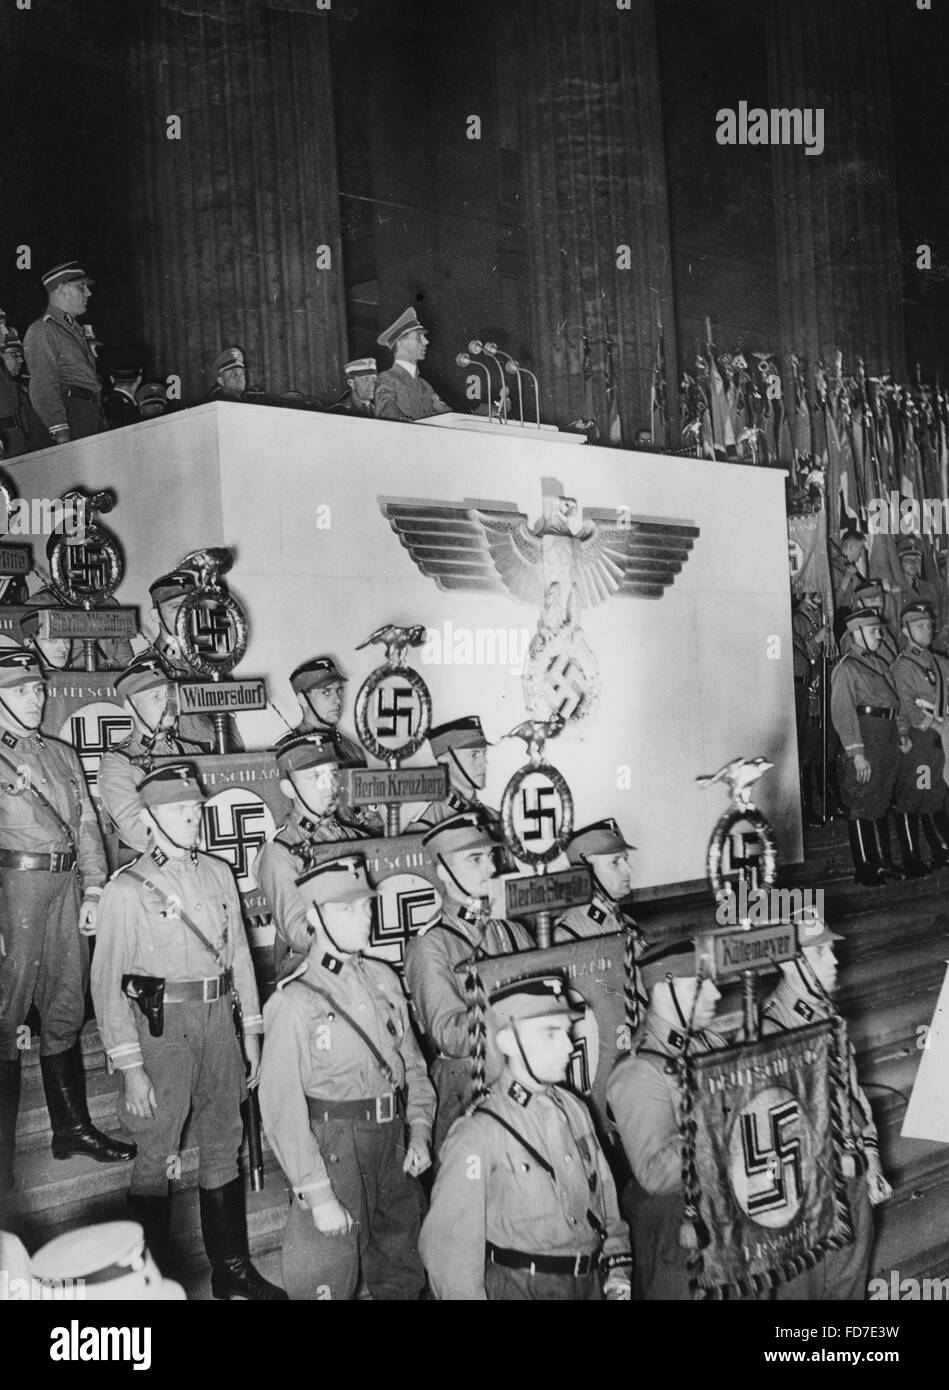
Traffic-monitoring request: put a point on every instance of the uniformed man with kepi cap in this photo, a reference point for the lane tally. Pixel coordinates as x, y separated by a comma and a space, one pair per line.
229, 371
21, 429
870, 593
645, 1099
462, 748
401, 393
524, 1206
64, 385
346, 1103
318, 685
865, 711
52, 653
803, 996
150, 698
464, 853
151, 400
52, 868
171, 952
361, 375
309, 779
168, 592
922, 680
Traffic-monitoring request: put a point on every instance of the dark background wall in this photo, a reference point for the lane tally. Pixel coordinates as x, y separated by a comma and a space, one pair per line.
429, 218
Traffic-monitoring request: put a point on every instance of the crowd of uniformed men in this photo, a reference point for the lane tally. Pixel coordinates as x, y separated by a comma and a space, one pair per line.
364, 1083
52, 388
888, 706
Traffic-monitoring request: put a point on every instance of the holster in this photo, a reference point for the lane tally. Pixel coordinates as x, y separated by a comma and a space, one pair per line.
147, 993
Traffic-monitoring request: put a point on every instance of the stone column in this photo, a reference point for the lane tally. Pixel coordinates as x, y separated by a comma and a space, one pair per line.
596, 181
839, 278
238, 220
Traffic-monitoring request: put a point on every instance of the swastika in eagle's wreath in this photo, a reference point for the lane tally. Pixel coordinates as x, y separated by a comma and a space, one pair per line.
212, 629
538, 812
93, 730
395, 712
742, 855
234, 825
87, 567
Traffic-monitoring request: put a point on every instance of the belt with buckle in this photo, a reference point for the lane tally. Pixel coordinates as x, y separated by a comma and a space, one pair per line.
81, 393
541, 1264
51, 863
379, 1110
197, 991
876, 712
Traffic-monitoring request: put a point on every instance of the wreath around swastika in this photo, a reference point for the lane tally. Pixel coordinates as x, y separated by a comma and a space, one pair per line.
511, 836
199, 661
367, 735
95, 540
723, 828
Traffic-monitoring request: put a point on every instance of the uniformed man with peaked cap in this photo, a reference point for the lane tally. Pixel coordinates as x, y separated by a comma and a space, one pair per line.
149, 697
171, 951
151, 400
229, 371
461, 747
64, 385
106, 1262
361, 375
346, 1103
870, 593
464, 853
644, 1098
922, 680
309, 779
120, 405
21, 429
319, 684
401, 393
803, 996
524, 1206
52, 868
865, 711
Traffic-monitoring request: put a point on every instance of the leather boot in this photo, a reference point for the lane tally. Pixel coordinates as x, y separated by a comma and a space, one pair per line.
937, 838
881, 837
64, 1081
153, 1214
863, 850
907, 833
9, 1106
224, 1227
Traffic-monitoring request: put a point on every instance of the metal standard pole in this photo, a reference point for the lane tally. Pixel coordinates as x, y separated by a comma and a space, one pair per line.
89, 653
393, 809
749, 1006
544, 921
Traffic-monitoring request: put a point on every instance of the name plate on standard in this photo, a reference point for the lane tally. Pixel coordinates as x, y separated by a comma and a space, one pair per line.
523, 894
376, 786
88, 623
217, 697
728, 953
14, 559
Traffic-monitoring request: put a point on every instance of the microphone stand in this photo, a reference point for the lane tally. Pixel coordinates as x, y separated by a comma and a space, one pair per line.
463, 360
490, 350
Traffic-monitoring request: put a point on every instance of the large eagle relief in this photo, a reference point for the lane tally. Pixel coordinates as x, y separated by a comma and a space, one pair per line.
567, 561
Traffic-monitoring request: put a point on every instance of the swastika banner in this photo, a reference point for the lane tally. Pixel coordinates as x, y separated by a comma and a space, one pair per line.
595, 973
807, 557
767, 1164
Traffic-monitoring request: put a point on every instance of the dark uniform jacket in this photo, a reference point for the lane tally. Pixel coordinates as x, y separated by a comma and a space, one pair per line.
860, 678
120, 409
21, 429
402, 396
58, 356
26, 824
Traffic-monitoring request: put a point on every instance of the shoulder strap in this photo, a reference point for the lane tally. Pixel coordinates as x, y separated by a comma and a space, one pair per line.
182, 916
386, 1070
64, 826
538, 1158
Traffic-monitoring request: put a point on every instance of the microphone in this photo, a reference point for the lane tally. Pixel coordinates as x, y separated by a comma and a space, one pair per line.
475, 347
463, 360
514, 368
491, 350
